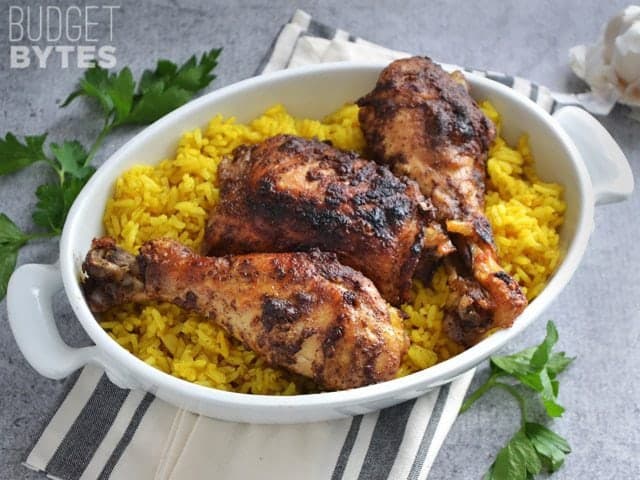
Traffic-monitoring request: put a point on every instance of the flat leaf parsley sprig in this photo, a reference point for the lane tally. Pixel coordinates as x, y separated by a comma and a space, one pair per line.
534, 446
124, 102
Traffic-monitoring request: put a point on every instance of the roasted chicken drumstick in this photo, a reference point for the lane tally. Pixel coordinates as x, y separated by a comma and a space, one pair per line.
422, 122
302, 311
289, 194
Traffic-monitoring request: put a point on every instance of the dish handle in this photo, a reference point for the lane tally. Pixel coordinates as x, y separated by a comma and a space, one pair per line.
29, 304
608, 167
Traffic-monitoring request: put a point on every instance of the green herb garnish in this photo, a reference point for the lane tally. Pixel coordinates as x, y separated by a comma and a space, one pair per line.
533, 447
11, 240
123, 102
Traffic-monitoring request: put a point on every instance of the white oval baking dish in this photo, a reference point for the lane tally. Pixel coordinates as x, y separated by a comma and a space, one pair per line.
571, 148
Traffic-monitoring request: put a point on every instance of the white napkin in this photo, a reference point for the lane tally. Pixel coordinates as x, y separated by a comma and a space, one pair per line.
101, 431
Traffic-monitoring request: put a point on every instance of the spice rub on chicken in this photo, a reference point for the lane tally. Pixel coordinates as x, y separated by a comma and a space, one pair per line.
422, 122
289, 193
305, 312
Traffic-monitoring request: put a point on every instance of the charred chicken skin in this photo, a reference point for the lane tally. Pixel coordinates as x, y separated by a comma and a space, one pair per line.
422, 122
291, 194
305, 312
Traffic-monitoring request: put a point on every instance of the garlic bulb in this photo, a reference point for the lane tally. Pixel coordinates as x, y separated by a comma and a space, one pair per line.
611, 66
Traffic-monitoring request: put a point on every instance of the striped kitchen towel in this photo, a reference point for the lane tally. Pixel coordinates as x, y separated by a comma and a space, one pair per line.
102, 431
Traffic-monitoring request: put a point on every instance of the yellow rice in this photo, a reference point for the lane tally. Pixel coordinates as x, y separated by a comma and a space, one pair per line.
172, 199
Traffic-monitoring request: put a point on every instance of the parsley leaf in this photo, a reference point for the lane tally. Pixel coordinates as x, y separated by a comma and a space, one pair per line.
159, 91
55, 199
549, 392
15, 155
120, 90
558, 361
168, 87
541, 354
517, 459
549, 445
71, 156
113, 91
54, 202
532, 368
11, 239
49, 212
192, 76
155, 103
533, 446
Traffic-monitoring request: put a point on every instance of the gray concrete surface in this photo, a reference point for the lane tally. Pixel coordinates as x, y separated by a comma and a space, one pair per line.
597, 314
